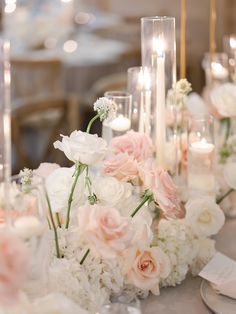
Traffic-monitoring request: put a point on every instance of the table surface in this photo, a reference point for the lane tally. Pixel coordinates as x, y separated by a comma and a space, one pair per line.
185, 298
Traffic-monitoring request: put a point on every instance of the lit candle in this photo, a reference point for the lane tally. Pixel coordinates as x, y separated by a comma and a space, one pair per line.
183, 40
201, 166
218, 71
120, 123
28, 226
159, 59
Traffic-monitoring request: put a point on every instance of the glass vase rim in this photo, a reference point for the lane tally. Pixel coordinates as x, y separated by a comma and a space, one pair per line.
135, 68
117, 94
158, 18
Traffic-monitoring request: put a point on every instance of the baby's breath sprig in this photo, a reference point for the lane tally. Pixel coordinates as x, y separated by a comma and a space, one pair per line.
26, 176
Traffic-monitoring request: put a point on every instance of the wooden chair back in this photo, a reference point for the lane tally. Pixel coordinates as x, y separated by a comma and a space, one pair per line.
35, 77
33, 137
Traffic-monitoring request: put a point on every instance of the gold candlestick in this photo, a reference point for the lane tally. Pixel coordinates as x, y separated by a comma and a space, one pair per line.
212, 27
183, 40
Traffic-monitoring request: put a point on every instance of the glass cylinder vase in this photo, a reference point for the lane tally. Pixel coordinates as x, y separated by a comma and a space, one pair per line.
139, 86
201, 156
216, 69
229, 45
121, 122
5, 120
159, 59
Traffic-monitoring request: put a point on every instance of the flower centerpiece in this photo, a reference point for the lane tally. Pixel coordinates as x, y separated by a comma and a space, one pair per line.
116, 222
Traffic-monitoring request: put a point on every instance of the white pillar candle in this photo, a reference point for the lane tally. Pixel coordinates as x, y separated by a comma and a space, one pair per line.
120, 124
28, 226
159, 58
201, 166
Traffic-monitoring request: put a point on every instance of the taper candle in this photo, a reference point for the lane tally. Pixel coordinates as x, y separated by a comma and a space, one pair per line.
212, 27
183, 39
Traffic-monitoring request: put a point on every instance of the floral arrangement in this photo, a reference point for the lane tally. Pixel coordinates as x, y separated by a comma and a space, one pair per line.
116, 221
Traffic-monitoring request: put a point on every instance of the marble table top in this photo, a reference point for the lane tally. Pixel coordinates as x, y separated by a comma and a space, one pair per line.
186, 298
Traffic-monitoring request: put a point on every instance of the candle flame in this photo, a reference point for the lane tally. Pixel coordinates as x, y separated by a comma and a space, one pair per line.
158, 46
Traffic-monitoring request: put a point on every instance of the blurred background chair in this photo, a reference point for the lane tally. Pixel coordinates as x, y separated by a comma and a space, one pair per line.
36, 77
116, 81
36, 124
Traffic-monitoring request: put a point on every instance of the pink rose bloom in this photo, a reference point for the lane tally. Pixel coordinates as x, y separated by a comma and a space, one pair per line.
122, 166
163, 188
135, 144
45, 169
13, 265
145, 267
105, 230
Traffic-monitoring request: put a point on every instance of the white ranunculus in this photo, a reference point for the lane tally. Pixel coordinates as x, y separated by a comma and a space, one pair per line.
204, 216
110, 191
230, 174
223, 98
83, 147
58, 185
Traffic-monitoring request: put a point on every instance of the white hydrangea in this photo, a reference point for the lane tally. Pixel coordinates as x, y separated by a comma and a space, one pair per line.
105, 108
205, 251
89, 285
231, 144
176, 239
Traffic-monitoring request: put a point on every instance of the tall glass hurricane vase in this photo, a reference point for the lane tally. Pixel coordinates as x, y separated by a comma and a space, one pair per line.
5, 125
159, 59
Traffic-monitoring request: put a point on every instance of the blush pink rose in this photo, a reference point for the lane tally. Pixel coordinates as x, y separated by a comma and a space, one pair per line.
45, 169
105, 230
13, 265
122, 166
163, 188
133, 143
145, 267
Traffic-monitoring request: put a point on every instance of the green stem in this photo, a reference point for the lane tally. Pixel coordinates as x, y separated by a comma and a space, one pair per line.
91, 122
227, 123
53, 226
58, 220
84, 257
88, 182
80, 169
224, 196
145, 199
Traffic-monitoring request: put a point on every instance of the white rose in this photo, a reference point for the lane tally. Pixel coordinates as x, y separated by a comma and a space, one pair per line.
223, 98
110, 191
230, 174
204, 216
83, 147
58, 185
